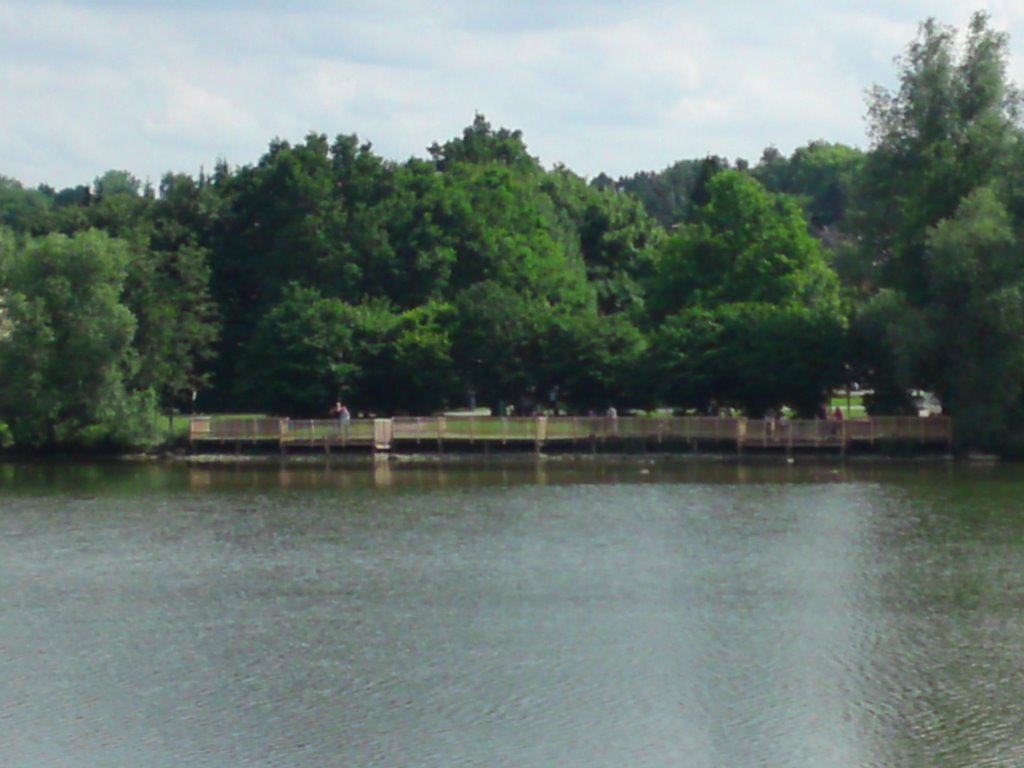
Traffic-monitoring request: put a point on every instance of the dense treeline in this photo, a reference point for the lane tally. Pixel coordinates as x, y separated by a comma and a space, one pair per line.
325, 272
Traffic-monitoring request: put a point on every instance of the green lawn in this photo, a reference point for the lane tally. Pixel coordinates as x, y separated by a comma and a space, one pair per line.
856, 408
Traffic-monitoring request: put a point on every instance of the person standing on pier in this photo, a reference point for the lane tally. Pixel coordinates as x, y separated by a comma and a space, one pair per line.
340, 411
612, 420
837, 420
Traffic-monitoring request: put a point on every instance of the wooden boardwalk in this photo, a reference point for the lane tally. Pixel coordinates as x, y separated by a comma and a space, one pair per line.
580, 433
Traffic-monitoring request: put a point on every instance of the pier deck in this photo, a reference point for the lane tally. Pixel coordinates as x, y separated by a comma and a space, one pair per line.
569, 432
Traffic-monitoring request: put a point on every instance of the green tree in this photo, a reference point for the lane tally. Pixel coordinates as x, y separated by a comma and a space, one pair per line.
616, 238
114, 183
277, 223
497, 340
753, 356
879, 337
509, 232
591, 361
20, 208
481, 144
666, 195
299, 360
374, 326
119, 206
746, 310
951, 127
744, 245
941, 179
973, 349
177, 323
66, 354
184, 214
423, 374
426, 216
820, 175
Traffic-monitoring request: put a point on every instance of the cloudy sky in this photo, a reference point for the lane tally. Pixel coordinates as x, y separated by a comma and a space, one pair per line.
619, 86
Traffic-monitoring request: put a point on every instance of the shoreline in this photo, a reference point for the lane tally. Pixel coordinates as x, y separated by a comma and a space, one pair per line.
507, 458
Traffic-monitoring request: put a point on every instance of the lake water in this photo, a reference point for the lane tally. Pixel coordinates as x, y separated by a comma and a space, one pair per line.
568, 613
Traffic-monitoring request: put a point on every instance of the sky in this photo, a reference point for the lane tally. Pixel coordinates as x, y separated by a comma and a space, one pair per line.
613, 86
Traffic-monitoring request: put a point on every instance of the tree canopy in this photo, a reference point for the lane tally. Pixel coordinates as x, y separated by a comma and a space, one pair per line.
743, 245
935, 222
66, 353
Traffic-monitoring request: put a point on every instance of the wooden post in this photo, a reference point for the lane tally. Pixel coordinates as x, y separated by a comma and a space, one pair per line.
383, 434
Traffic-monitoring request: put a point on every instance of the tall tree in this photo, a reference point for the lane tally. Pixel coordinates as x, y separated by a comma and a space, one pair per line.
299, 359
612, 232
268, 235
951, 127
745, 309
754, 356
480, 143
970, 342
168, 293
497, 341
423, 372
744, 245
66, 355
942, 175
591, 361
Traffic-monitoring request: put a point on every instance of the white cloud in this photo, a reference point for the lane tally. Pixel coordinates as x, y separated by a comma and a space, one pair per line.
596, 84
188, 111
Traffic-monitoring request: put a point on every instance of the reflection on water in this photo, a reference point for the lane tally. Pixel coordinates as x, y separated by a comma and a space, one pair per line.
385, 472
513, 613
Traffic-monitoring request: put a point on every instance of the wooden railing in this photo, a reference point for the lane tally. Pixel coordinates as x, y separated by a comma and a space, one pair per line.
382, 434
301, 432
